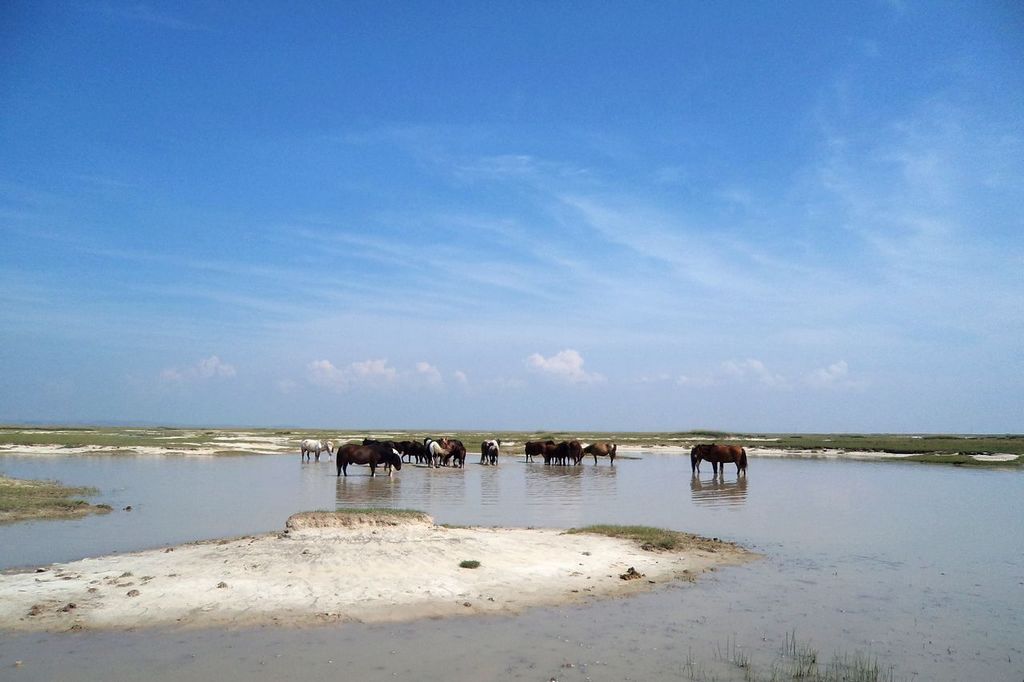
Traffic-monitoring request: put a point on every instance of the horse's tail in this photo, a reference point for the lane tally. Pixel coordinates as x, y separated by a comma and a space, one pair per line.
743, 458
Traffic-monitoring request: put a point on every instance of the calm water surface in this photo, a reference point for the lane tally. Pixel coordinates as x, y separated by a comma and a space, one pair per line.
921, 566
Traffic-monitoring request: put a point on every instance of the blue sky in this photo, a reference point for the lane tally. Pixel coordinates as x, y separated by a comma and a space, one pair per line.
622, 216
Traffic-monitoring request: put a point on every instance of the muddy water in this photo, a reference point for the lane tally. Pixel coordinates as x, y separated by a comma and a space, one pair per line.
921, 566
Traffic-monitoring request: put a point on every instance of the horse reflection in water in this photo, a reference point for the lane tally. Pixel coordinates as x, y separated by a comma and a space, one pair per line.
717, 492
367, 492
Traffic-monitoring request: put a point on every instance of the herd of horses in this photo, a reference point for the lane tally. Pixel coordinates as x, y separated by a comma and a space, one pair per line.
445, 452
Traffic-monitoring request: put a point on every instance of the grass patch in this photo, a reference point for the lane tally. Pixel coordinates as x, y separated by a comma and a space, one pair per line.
23, 499
353, 518
658, 538
469, 563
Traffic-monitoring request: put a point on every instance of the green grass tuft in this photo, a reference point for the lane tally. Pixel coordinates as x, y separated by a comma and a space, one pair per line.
469, 563
644, 535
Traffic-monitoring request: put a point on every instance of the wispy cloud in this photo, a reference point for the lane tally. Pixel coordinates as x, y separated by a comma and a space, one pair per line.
372, 374
749, 371
365, 373
835, 376
753, 372
143, 13
207, 368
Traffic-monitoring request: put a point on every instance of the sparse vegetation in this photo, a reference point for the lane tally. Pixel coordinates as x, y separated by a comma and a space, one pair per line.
380, 511
22, 499
469, 563
796, 662
657, 538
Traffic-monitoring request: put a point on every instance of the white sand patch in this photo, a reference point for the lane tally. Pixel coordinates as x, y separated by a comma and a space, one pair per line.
827, 453
996, 457
178, 450
364, 572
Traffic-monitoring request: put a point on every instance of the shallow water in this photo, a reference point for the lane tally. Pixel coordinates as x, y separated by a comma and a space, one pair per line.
921, 566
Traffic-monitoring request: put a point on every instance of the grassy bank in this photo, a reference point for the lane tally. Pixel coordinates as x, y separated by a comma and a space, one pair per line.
22, 499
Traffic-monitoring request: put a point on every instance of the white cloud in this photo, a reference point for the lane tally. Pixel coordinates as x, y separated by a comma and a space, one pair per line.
207, 368
752, 370
368, 372
461, 377
566, 365
427, 372
836, 375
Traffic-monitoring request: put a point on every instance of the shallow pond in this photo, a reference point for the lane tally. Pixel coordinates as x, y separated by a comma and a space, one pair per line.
919, 566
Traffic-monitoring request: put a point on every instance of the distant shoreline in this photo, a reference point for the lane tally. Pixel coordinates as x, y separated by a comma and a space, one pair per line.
981, 450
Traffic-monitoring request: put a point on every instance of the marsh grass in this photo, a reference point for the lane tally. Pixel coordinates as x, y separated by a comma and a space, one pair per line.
22, 499
795, 662
643, 535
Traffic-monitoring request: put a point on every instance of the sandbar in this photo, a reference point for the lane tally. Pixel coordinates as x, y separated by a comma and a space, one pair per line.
326, 568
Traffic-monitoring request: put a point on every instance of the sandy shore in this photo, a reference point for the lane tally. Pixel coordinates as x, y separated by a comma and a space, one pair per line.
323, 569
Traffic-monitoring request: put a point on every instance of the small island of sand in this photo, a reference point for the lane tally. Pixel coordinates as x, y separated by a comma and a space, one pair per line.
338, 566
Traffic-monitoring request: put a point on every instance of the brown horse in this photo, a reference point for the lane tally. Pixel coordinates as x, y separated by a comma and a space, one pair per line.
566, 452
536, 447
604, 449
457, 453
718, 454
374, 454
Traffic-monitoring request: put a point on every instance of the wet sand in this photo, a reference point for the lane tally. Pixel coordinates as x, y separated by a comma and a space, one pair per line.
328, 568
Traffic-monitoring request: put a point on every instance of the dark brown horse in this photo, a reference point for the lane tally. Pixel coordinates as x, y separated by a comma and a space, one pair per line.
537, 447
374, 454
718, 454
457, 453
604, 449
566, 452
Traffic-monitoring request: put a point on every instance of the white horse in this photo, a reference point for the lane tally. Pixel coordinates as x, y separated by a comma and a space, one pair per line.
316, 447
437, 451
489, 451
